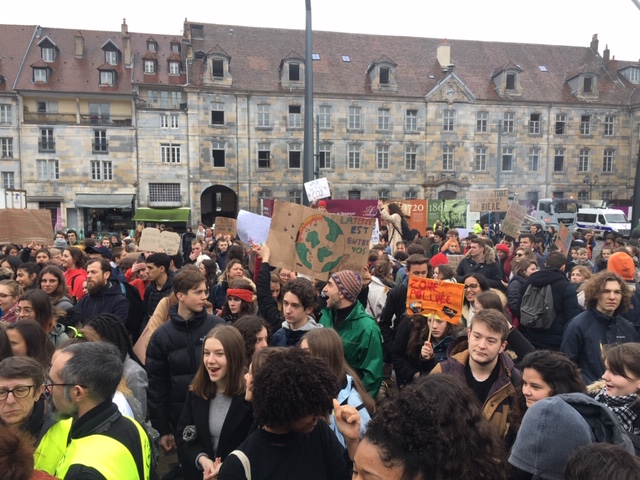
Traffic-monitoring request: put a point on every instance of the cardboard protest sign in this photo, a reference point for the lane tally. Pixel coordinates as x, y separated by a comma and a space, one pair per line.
426, 296
315, 244
317, 189
226, 226
153, 240
454, 261
493, 200
513, 220
22, 226
252, 228
564, 239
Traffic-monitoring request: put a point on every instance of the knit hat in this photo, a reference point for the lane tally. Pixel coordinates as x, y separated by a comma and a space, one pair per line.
503, 248
60, 243
349, 283
439, 259
322, 203
622, 264
550, 432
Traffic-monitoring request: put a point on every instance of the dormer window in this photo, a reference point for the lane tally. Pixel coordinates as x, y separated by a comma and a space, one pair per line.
175, 47
294, 72
149, 66
111, 57
587, 86
385, 73
382, 75
174, 68
506, 78
41, 75
152, 46
632, 74
107, 78
48, 54
583, 83
511, 81
217, 68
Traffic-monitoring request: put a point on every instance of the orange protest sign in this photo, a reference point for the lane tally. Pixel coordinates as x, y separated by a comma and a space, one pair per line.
426, 296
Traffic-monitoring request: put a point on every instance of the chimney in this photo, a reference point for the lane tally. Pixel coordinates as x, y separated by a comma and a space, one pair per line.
126, 43
594, 43
605, 55
79, 44
444, 54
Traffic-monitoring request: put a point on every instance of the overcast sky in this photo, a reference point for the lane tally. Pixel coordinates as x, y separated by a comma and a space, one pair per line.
558, 22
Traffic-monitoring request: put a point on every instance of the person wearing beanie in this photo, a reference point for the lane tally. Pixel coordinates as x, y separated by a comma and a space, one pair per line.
60, 243
607, 297
358, 330
622, 264
438, 259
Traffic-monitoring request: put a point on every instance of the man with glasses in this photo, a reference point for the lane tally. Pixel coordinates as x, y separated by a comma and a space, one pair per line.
92, 439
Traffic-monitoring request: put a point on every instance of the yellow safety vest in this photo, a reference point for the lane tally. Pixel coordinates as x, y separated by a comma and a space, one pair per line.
105, 454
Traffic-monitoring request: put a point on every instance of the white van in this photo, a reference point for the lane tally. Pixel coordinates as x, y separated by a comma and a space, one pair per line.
603, 221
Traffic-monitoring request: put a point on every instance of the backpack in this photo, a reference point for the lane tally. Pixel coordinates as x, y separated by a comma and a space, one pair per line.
406, 234
136, 310
537, 310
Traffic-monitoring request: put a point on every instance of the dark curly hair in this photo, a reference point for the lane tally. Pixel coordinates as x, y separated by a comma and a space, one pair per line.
250, 326
595, 285
290, 386
429, 424
111, 330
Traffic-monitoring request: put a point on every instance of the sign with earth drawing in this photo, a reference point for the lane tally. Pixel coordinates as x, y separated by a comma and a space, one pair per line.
315, 244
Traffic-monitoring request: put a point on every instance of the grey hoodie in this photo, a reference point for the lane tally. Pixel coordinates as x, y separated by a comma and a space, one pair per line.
286, 337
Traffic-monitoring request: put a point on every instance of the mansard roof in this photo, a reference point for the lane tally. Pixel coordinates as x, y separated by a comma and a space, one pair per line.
14, 40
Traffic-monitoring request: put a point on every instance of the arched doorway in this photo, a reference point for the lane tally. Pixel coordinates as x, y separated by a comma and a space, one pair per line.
218, 200
447, 195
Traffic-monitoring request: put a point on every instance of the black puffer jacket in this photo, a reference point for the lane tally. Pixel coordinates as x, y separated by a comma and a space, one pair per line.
152, 296
173, 357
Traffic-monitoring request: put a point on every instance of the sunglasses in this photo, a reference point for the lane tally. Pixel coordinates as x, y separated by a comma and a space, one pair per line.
519, 254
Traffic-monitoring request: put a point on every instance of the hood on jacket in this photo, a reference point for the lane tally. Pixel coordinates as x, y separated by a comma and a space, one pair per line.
547, 276
310, 325
489, 255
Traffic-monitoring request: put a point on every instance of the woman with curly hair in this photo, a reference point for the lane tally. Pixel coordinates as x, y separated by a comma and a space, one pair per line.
254, 331
393, 215
240, 302
421, 433
292, 393
51, 281
216, 418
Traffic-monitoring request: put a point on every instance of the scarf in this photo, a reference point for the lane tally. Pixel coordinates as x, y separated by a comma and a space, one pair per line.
624, 407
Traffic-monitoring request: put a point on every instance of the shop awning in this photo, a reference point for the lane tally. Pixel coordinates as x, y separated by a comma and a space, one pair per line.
45, 198
162, 215
103, 201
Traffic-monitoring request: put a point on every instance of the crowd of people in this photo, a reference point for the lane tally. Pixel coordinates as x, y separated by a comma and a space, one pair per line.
112, 358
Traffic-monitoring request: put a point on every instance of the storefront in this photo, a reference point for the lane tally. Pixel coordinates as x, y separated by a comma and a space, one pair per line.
177, 218
53, 203
106, 213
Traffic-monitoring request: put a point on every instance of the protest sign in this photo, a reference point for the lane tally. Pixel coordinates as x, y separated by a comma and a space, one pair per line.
418, 218
375, 236
454, 261
252, 228
309, 242
226, 226
564, 239
153, 240
493, 200
452, 213
22, 226
426, 296
513, 220
317, 189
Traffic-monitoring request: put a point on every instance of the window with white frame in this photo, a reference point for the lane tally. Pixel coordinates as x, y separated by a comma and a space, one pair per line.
8, 180
151, 46
295, 196
509, 123
111, 57
101, 170
40, 75
218, 154
5, 113
149, 66
583, 160
585, 125
383, 194
324, 116
608, 160
355, 118
295, 116
383, 119
609, 125
48, 170
447, 158
6, 147
480, 160
295, 155
558, 160
100, 144
48, 54
534, 124
410, 157
324, 160
175, 48
448, 119
534, 159
264, 116
170, 152
264, 155
561, 123
107, 77
482, 119
353, 160
410, 195
174, 68
382, 156
169, 120
507, 159
164, 192
354, 194
411, 121
217, 113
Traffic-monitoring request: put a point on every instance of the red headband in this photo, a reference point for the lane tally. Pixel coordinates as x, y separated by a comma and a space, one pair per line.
241, 293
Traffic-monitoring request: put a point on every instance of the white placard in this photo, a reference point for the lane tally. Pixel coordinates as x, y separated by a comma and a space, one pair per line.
317, 189
252, 228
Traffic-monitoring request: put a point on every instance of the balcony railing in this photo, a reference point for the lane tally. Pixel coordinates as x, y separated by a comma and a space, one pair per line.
71, 118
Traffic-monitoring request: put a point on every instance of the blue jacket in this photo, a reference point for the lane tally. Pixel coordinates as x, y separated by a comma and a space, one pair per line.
109, 299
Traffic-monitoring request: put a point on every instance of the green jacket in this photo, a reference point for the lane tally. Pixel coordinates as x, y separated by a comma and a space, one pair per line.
362, 345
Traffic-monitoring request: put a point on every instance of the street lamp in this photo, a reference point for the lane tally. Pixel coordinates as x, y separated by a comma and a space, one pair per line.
590, 182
